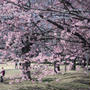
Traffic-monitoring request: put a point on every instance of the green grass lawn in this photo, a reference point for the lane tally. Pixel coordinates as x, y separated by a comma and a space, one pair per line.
71, 80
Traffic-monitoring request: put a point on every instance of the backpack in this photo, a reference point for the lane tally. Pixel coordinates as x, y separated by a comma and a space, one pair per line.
3, 73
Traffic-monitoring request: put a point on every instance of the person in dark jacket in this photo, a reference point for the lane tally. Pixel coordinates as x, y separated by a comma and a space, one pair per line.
2, 74
56, 66
16, 64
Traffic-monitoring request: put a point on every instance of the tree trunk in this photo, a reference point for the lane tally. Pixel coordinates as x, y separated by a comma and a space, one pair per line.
65, 66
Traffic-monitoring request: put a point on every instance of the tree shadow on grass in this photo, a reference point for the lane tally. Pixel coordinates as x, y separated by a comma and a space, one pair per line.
54, 87
48, 87
32, 88
87, 82
73, 75
5, 82
48, 80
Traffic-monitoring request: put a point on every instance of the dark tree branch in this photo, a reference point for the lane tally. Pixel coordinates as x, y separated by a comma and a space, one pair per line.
82, 38
54, 23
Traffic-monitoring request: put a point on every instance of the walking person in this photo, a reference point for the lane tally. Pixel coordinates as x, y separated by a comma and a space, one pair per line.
20, 64
56, 66
16, 64
2, 74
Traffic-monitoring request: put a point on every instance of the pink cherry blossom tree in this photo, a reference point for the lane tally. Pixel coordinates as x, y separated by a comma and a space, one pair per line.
49, 27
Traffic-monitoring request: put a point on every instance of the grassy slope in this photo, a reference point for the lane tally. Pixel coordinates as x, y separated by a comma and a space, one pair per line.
72, 80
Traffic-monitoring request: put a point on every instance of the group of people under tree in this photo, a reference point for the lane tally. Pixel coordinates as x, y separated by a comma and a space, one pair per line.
17, 64
24, 66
